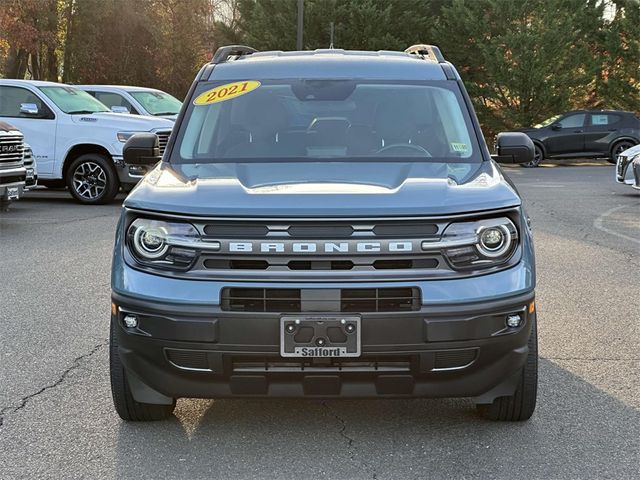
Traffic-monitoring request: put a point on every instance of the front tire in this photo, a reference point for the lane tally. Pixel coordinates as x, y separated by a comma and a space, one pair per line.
92, 179
618, 148
538, 157
519, 406
126, 406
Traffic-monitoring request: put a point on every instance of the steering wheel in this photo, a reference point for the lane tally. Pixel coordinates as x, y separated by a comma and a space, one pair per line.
404, 146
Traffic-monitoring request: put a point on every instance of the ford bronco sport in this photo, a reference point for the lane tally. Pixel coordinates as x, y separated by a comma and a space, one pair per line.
324, 224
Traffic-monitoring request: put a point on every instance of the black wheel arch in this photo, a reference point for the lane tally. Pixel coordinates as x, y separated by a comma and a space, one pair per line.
626, 138
539, 144
82, 149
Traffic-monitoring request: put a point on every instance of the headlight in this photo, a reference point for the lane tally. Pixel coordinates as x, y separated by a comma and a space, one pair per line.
168, 245
124, 136
479, 244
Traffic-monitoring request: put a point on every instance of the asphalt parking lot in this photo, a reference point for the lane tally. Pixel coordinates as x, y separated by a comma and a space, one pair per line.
58, 421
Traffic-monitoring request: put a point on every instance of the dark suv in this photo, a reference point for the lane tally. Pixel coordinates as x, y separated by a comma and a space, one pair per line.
324, 224
584, 134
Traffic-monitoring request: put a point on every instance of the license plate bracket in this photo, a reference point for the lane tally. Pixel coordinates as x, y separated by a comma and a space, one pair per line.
320, 336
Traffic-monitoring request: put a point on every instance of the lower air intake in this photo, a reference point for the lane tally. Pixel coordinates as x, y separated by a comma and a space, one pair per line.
397, 299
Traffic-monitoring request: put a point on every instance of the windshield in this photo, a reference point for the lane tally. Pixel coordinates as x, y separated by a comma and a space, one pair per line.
72, 100
310, 119
157, 103
547, 122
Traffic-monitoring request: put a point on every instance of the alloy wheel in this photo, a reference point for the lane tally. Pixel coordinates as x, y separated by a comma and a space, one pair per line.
621, 147
89, 180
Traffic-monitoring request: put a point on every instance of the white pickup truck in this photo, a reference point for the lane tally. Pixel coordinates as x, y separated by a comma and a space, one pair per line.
75, 139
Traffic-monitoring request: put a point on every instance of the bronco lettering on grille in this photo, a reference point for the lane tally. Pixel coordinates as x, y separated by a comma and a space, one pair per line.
313, 247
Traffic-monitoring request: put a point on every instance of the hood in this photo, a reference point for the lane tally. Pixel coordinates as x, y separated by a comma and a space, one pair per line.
323, 189
525, 130
172, 117
124, 121
7, 127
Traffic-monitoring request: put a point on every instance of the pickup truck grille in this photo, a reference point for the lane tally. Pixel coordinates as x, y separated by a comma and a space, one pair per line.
11, 147
163, 138
397, 299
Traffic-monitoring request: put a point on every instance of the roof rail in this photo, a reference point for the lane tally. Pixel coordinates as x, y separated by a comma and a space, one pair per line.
430, 51
223, 53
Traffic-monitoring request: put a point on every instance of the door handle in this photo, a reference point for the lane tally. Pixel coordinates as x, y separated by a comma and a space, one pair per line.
577, 131
613, 129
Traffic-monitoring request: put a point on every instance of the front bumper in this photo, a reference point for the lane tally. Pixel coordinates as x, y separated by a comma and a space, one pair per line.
624, 172
12, 182
455, 350
130, 174
635, 167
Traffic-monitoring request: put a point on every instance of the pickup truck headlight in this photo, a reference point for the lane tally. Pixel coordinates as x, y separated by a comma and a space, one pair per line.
480, 244
124, 136
168, 245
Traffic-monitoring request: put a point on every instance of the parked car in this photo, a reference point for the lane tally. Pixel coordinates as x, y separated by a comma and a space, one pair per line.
136, 100
75, 139
324, 224
12, 172
624, 170
635, 167
584, 133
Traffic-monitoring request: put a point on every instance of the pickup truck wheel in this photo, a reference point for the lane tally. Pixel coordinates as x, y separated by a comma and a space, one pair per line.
92, 179
123, 400
522, 403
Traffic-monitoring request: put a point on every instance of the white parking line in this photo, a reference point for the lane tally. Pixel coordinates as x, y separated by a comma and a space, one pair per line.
597, 223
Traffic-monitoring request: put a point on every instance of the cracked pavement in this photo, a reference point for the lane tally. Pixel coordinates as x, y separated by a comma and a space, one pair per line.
57, 420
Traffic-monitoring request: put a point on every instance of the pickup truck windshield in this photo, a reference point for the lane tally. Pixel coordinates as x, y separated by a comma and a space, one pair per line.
72, 100
337, 120
157, 103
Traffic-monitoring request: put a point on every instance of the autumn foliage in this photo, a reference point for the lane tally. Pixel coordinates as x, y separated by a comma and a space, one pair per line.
522, 61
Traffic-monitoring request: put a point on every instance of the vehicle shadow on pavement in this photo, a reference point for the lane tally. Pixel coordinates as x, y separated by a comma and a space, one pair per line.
577, 431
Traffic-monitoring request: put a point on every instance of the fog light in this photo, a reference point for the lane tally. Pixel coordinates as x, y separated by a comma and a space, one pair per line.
130, 321
514, 321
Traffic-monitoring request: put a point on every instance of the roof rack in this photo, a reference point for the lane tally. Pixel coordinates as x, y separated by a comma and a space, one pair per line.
223, 53
429, 51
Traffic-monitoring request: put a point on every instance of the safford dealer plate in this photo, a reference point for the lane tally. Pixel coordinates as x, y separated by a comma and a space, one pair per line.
320, 336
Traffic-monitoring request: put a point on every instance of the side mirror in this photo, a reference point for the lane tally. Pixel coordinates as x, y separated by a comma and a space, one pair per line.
556, 126
513, 147
119, 109
29, 108
142, 149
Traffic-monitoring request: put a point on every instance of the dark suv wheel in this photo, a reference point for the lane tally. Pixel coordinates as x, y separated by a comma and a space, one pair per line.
618, 148
522, 403
123, 400
538, 156
92, 179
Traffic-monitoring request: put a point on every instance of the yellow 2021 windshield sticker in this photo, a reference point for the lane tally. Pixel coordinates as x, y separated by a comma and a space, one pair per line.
226, 92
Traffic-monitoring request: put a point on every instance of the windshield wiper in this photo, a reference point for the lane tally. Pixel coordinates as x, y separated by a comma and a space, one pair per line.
165, 113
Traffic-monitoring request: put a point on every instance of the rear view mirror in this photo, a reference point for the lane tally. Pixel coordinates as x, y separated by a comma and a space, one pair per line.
142, 149
29, 108
119, 109
556, 126
513, 147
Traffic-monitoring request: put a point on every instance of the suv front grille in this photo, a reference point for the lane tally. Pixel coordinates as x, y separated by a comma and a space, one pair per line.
396, 299
323, 229
11, 147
